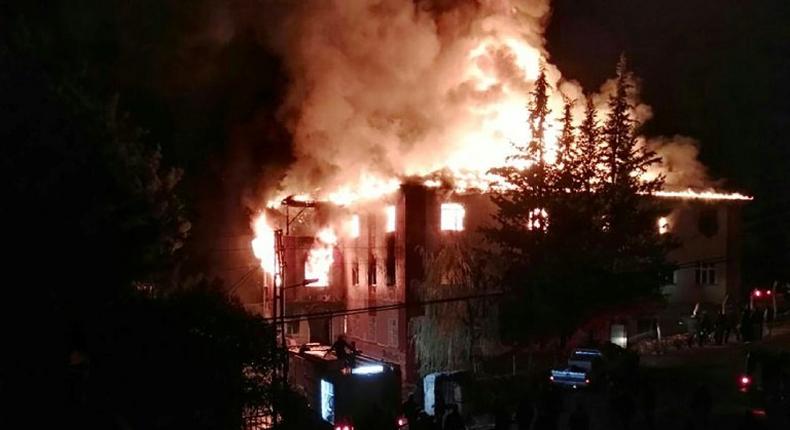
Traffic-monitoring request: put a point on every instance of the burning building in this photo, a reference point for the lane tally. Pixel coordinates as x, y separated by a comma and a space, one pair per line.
387, 90
366, 262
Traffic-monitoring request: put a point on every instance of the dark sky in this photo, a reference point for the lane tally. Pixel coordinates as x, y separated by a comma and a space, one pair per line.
713, 70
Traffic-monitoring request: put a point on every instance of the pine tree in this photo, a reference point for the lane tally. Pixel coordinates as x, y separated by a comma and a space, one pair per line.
589, 146
600, 245
636, 254
523, 205
538, 112
567, 169
627, 160
617, 132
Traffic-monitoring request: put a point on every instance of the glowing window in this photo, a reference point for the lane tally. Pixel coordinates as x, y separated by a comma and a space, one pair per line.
327, 401
369, 369
452, 217
353, 226
663, 225
390, 219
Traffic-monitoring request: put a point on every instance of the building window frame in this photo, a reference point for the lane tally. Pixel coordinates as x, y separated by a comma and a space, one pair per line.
705, 274
355, 272
390, 260
451, 217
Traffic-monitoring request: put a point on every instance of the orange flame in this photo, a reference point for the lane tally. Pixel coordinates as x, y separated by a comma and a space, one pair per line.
320, 258
702, 195
263, 244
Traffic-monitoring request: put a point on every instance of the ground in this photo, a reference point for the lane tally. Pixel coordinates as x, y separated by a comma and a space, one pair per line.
675, 376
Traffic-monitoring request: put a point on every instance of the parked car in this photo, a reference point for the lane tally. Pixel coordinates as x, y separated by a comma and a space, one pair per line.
765, 383
596, 366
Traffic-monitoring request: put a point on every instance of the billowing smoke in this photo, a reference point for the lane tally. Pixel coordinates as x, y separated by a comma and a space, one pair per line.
381, 89
680, 166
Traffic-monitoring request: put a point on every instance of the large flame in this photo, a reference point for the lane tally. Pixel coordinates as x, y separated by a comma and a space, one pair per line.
263, 244
320, 258
702, 195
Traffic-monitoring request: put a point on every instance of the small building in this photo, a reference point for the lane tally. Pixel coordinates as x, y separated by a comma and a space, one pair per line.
708, 256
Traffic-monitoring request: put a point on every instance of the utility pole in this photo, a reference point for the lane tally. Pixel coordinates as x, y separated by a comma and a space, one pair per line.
279, 287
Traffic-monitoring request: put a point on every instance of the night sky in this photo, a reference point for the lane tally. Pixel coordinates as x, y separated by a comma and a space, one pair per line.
715, 71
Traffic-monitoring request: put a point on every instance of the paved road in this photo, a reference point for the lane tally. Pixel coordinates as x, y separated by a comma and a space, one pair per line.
675, 376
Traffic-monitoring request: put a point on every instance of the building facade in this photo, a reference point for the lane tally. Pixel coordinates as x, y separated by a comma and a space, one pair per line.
379, 264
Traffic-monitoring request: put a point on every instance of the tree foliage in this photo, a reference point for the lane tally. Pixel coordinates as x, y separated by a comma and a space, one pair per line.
578, 233
102, 330
453, 335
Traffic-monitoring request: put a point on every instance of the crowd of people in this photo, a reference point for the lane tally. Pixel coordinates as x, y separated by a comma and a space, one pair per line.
750, 325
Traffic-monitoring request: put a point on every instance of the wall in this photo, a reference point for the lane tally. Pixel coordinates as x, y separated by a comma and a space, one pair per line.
708, 233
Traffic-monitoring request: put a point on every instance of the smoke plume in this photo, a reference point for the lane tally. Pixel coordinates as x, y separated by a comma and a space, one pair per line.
381, 89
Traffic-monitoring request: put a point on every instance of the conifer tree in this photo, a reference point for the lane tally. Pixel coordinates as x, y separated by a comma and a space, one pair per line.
567, 168
636, 254
589, 146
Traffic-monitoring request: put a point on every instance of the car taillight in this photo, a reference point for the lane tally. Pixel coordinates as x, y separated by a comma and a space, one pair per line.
744, 381
758, 293
587, 381
767, 292
401, 422
551, 378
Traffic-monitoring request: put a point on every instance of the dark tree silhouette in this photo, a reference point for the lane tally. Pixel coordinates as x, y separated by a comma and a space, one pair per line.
577, 236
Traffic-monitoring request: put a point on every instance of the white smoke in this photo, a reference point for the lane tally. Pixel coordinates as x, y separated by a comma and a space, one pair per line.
680, 166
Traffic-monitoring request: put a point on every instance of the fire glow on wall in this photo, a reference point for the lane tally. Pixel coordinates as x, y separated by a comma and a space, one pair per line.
390, 212
353, 226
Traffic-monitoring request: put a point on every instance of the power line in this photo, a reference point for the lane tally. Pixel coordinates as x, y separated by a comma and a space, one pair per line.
239, 282
392, 306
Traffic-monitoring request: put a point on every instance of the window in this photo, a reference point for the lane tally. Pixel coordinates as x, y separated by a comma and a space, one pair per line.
292, 327
452, 217
390, 260
705, 274
394, 332
390, 226
371, 269
327, 401
355, 272
663, 225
